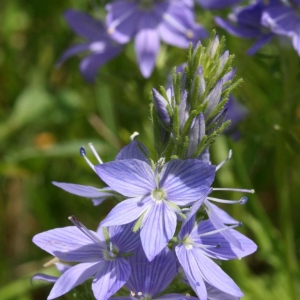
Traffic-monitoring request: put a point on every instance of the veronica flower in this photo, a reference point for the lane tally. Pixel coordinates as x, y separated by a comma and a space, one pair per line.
218, 217
198, 243
99, 44
148, 22
148, 279
153, 196
236, 112
133, 150
284, 19
216, 4
97, 257
245, 22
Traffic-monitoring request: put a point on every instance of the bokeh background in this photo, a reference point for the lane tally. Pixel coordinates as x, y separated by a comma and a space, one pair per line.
47, 113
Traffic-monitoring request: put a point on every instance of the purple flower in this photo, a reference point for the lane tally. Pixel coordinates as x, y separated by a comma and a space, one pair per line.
245, 22
148, 279
236, 112
98, 43
201, 242
148, 22
96, 257
134, 149
284, 19
154, 196
217, 4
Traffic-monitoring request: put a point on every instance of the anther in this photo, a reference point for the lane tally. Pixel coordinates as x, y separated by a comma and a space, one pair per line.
218, 246
240, 224
82, 151
134, 135
83, 154
243, 200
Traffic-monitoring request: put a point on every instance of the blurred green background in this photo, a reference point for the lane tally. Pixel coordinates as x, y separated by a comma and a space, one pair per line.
47, 113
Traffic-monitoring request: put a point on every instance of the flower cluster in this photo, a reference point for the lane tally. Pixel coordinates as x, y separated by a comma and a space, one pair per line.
149, 22
165, 227
264, 19
143, 21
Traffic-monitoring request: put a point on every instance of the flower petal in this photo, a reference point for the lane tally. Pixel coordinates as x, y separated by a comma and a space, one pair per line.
127, 211
213, 274
129, 177
191, 271
215, 294
185, 181
121, 20
90, 65
122, 236
71, 52
110, 278
84, 25
72, 278
176, 297
147, 44
44, 277
136, 150
227, 250
216, 4
218, 224
151, 278
82, 190
159, 227
69, 244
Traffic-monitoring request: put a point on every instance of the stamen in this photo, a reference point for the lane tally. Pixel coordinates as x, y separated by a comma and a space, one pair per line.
111, 29
51, 262
84, 230
220, 229
172, 21
224, 161
95, 153
134, 135
242, 201
234, 190
83, 154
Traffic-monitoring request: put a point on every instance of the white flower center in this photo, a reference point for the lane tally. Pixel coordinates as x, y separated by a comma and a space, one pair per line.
158, 194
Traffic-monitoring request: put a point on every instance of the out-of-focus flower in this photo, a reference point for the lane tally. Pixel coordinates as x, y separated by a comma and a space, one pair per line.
99, 45
216, 4
96, 256
284, 19
148, 22
236, 112
245, 22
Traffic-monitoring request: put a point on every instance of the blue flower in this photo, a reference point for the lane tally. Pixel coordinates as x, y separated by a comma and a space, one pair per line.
148, 22
216, 4
148, 279
245, 22
134, 149
284, 19
101, 47
198, 243
153, 196
96, 257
